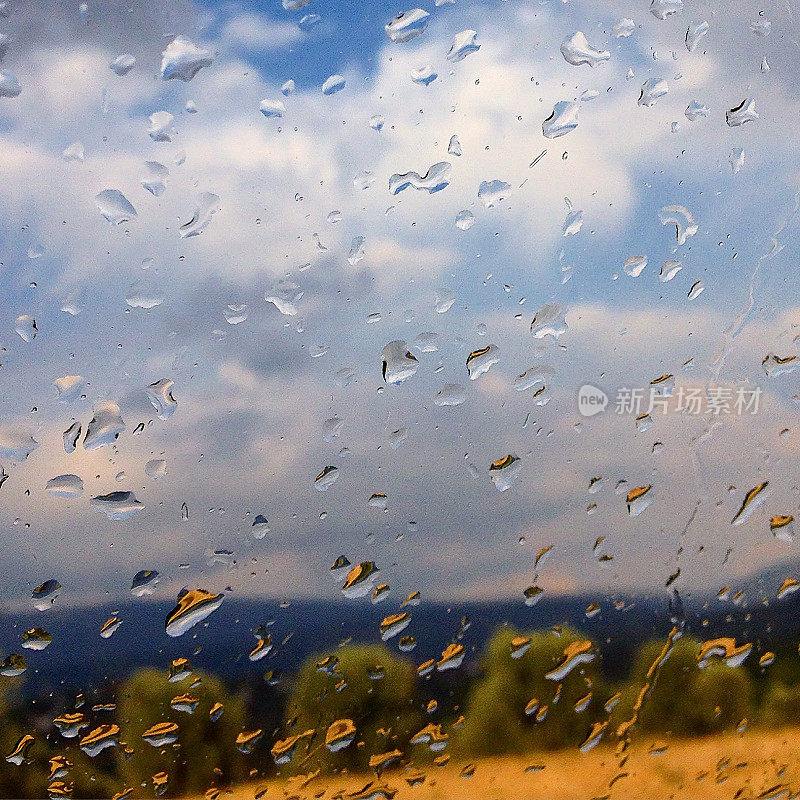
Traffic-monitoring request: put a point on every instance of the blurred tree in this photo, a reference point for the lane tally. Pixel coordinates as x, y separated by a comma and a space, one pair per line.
24, 780
781, 704
205, 751
685, 699
496, 719
346, 686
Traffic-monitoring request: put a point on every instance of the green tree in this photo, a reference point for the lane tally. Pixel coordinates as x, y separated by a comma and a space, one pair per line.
496, 720
25, 780
685, 699
383, 709
29, 779
781, 704
205, 751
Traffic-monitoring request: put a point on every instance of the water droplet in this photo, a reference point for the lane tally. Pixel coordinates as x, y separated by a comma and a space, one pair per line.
573, 222
577, 50
378, 500
26, 328
340, 734
161, 734
652, 89
356, 253
67, 486
505, 471
789, 586
549, 320
36, 639
669, 269
183, 59
696, 290
396, 438
424, 75
71, 436
452, 657
206, 206
19, 753
662, 9
193, 607
696, 110
360, 580
464, 43
144, 294
444, 300
539, 377
155, 182
160, 128
578, 652
122, 64
407, 25
593, 737
326, 478
724, 648
70, 725
394, 624
117, 506
482, 360
12, 666
74, 152
782, 527
160, 396
144, 582
634, 265
562, 120
263, 645
285, 296
399, 363
272, 108
623, 28
465, 220
694, 33
451, 394
681, 218
16, 443
741, 114
333, 84
434, 180
99, 739
492, 193
752, 500
110, 627
114, 206
639, 499
104, 427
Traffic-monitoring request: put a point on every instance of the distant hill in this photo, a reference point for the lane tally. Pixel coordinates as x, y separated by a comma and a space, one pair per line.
79, 658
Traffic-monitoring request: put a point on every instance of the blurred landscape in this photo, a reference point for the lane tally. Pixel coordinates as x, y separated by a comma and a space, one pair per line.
494, 725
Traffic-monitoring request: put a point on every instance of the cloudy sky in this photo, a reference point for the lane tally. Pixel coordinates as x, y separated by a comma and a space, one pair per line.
256, 388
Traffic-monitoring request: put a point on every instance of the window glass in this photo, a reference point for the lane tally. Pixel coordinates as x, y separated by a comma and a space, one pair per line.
399, 401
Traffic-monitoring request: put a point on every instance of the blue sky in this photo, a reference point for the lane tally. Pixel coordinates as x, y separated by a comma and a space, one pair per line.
253, 398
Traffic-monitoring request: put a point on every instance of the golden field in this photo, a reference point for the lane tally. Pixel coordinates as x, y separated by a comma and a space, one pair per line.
757, 763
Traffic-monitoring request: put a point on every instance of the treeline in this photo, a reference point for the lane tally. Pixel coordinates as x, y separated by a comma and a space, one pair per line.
363, 708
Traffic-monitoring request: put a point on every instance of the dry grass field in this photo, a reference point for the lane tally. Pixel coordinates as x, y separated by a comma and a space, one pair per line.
755, 764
